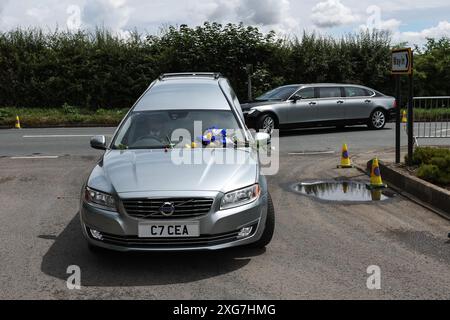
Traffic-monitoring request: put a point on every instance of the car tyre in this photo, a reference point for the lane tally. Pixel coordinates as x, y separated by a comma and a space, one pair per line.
377, 119
266, 122
269, 227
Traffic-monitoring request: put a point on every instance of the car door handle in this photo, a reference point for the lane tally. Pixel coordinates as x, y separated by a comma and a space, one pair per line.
340, 101
312, 103
368, 101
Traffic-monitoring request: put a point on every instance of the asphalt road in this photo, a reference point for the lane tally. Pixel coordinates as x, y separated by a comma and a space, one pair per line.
75, 141
320, 249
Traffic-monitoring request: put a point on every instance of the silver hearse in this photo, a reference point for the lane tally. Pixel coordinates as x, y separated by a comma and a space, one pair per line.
323, 104
137, 198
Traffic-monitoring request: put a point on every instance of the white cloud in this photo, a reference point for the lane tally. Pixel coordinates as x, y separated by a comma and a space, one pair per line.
268, 14
113, 14
3, 4
442, 29
374, 20
219, 9
262, 12
39, 13
332, 13
390, 24
284, 16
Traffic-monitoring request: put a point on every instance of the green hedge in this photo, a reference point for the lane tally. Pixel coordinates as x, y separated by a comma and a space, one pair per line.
434, 164
100, 70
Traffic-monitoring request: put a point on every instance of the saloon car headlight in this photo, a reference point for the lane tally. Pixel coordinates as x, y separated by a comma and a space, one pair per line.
99, 199
240, 197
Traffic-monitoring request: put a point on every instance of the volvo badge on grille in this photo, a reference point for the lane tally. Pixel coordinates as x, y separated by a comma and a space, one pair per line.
167, 209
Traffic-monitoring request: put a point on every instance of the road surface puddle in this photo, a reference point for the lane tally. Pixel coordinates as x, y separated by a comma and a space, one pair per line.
341, 191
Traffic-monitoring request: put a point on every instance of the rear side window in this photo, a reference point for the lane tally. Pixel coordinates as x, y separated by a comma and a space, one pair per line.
356, 92
330, 92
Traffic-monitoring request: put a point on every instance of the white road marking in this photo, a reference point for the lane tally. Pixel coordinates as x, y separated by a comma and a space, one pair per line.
60, 136
36, 157
310, 153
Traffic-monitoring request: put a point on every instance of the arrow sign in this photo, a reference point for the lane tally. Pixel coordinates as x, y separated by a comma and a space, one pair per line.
401, 61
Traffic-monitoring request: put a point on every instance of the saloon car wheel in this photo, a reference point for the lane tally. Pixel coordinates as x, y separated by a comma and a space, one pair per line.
377, 119
269, 227
267, 123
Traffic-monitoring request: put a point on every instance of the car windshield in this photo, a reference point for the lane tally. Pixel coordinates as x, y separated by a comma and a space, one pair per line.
280, 93
178, 129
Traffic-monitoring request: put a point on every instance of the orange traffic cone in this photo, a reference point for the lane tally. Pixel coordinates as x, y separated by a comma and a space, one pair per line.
375, 176
17, 124
345, 159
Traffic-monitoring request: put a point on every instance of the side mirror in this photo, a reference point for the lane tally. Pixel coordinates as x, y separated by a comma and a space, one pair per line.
295, 98
98, 142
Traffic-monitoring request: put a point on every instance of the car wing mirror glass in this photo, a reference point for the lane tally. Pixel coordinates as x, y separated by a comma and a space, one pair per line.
98, 142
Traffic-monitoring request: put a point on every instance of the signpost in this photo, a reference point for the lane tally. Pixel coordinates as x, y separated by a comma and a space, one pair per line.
402, 64
401, 61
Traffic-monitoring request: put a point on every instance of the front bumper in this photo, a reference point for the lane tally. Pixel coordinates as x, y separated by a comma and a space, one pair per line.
250, 117
218, 229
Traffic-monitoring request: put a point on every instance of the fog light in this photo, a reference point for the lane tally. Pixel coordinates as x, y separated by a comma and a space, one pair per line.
96, 234
245, 232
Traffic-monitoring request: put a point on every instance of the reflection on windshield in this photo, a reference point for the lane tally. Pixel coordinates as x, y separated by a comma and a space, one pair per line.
280, 93
179, 129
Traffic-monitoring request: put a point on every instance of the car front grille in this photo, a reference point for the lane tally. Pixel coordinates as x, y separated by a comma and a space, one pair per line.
184, 207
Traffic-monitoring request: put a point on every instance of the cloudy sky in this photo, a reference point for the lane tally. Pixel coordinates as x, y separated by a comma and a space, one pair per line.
408, 20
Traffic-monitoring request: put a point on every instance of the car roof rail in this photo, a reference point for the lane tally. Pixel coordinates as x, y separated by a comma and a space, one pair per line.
214, 75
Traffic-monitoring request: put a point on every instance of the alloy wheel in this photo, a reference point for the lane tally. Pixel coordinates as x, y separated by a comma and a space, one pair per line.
268, 124
378, 119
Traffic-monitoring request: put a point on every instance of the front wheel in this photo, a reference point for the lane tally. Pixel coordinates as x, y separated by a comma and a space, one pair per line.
377, 119
267, 123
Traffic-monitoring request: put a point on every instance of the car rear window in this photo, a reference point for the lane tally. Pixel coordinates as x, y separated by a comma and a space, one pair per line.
329, 92
173, 95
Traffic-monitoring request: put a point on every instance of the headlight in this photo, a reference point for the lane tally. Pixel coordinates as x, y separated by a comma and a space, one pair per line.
99, 199
240, 197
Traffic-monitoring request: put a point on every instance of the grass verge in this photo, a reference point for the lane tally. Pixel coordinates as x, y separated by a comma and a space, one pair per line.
66, 115
434, 114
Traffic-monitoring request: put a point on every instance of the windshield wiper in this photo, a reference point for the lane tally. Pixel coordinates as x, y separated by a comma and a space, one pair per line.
171, 144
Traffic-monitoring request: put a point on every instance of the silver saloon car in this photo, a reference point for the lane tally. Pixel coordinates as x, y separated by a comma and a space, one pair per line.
323, 104
141, 197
